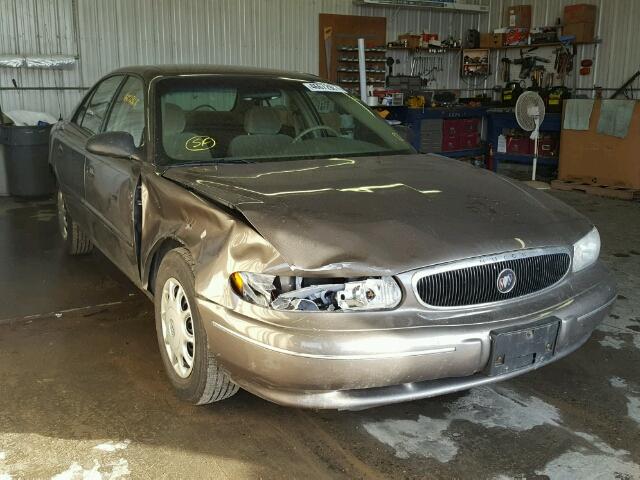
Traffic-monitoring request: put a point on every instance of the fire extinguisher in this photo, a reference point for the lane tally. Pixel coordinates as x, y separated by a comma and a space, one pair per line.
490, 157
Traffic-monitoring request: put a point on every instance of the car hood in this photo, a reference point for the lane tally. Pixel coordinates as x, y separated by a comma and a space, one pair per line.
383, 215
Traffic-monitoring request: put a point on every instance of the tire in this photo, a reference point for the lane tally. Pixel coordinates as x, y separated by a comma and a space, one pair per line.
75, 240
204, 381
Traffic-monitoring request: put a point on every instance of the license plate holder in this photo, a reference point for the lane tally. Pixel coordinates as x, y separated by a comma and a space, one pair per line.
513, 350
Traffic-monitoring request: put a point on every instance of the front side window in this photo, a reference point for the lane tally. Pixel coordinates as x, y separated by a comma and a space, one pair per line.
91, 115
127, 114
253, 119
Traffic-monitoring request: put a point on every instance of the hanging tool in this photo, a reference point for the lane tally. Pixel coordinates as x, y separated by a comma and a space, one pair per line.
328, 31
626, 84
564, 62
506, 69
527, 63
390, 61
426, 67
537, 75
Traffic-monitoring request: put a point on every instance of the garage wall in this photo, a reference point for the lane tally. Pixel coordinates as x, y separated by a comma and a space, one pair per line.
283, 34
615, 59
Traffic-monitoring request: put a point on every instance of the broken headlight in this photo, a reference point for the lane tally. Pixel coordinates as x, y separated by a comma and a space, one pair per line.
317, 294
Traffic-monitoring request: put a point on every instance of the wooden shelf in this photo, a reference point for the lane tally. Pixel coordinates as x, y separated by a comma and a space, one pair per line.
536, 45
367, 60
421, 49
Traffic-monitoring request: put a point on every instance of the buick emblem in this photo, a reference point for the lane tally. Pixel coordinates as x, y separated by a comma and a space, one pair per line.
506, 280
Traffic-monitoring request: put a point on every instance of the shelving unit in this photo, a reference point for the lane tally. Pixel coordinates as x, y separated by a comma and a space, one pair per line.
471, 67
535, 45
339, 49
505, 119
426, 49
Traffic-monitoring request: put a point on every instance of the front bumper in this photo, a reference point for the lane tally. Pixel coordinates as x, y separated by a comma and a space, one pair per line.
369, 359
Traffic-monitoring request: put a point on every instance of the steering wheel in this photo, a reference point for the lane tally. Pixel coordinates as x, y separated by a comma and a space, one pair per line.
204, 105
313, 129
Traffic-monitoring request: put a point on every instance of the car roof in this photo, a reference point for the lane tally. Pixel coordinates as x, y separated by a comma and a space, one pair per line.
148, 72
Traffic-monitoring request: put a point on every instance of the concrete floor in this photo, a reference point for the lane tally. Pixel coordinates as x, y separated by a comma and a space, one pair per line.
83, 395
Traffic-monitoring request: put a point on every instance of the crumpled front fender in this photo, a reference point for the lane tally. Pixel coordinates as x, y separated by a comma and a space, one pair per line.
217, 238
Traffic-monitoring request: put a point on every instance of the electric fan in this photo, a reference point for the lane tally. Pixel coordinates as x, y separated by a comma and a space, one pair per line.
530, 115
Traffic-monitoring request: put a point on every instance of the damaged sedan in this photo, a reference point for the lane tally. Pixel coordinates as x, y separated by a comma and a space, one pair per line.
295, 245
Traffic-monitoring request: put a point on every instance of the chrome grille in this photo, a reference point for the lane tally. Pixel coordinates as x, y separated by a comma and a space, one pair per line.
475, 282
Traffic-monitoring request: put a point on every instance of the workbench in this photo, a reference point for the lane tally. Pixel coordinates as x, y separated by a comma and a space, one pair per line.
501, 118
414, 118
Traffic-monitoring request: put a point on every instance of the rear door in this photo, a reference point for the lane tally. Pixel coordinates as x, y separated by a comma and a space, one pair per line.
111, 183
68, 146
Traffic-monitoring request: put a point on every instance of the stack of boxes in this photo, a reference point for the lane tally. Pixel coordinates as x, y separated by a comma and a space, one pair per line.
580, 21
517, 18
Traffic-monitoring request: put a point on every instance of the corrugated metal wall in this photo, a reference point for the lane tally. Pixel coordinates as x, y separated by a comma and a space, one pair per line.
615, 59
265, 33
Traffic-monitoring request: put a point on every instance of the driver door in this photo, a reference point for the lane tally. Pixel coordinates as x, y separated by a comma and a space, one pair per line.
111, 183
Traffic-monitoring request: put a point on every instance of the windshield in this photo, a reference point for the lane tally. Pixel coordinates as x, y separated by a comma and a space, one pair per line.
249, 119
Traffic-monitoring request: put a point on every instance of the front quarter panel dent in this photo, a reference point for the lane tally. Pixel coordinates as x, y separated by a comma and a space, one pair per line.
219, 243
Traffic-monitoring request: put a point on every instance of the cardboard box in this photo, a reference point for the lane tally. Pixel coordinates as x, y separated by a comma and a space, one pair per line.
413, 41
584, 32
491, 40
518, 16
590, 157
579, 13
516, 36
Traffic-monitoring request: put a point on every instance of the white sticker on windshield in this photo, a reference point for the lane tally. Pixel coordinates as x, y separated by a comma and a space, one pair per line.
324, 87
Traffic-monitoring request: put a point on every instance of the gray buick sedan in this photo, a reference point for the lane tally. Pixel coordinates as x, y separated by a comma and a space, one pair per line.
296, 246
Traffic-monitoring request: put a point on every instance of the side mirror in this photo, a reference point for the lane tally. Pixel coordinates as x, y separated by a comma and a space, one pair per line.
113, 144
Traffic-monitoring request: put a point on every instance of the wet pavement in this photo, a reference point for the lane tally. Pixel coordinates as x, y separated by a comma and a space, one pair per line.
83, 395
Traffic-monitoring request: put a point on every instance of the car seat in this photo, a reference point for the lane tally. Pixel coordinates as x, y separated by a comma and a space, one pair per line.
174, 138
262, 125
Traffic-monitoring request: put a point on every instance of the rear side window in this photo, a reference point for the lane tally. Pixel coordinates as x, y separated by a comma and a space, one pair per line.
127, 114
93, 112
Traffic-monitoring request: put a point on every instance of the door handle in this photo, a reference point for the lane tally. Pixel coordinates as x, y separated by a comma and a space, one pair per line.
90, 171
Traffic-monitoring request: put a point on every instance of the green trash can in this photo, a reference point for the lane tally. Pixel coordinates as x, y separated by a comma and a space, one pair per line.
26, 156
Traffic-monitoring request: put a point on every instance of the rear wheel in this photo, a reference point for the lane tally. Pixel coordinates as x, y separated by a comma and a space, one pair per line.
76, 241
190, 365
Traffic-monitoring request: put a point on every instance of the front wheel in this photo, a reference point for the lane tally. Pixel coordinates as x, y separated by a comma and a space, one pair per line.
75, 240
190, 365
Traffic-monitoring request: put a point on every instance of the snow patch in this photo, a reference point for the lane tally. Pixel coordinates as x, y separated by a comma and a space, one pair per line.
4, 475
633, 408
605, 462
490, 407
112, 446
504, 408
617, 382
111, 471
611, 342
424, 436
633, 402
572, 465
